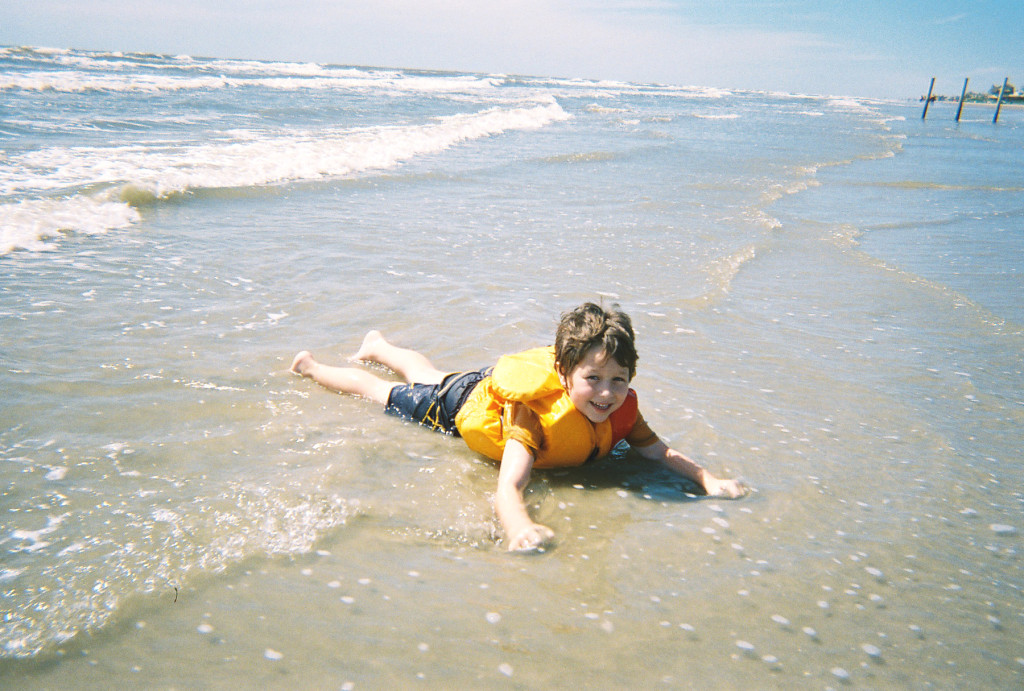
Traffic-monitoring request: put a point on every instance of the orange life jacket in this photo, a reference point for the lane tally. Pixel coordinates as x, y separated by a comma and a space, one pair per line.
570, 439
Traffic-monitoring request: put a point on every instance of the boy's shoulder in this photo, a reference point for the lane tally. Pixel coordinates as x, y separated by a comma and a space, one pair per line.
526, 375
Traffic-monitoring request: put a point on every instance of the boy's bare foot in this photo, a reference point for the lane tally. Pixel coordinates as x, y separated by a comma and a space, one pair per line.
302, 362
370, 343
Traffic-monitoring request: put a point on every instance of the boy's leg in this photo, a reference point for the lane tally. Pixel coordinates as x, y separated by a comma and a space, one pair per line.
414, 367
343, 379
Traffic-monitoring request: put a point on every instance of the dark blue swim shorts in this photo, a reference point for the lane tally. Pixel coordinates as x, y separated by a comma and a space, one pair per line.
434, 405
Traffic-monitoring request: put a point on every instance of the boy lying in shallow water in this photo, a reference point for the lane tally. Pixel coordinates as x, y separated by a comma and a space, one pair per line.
543, 408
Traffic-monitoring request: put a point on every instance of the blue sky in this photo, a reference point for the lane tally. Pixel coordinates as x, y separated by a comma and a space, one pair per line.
881, 48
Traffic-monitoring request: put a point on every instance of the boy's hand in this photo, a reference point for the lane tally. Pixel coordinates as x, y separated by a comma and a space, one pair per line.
732, 489
534, 537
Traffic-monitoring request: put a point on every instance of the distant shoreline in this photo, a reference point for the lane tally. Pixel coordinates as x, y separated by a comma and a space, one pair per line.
975, 105
976, 99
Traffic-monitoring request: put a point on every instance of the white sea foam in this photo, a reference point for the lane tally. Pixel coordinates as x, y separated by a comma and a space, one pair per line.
85, 81
57, 473
33, 224
163, 170
77, 82
850, 104
723, 270
32, 540
132, 174
10, 574
133, 73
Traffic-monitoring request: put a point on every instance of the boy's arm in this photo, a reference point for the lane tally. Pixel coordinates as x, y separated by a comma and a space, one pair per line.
513, 476
675, 461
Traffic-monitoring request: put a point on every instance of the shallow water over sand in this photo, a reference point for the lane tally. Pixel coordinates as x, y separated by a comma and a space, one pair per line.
824, 295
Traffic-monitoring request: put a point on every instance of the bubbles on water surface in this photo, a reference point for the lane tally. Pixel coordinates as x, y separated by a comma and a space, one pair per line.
871, 650
745, 646
840, 673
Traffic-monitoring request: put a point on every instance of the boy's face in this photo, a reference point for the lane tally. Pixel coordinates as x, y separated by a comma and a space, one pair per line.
598, 386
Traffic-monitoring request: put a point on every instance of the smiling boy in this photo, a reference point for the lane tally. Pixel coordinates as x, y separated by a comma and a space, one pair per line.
543, 408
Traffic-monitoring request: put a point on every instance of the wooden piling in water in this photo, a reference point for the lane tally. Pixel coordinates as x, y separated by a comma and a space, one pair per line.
961, 106
928, 99
999, 103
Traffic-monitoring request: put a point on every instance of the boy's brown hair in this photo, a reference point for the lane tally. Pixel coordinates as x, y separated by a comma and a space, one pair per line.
590, 325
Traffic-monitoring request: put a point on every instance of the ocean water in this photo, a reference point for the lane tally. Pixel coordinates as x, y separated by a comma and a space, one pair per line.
827, 294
